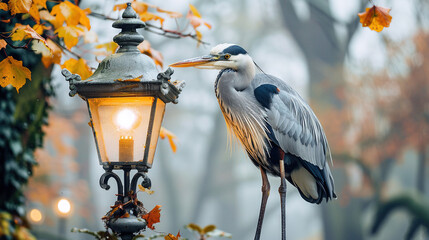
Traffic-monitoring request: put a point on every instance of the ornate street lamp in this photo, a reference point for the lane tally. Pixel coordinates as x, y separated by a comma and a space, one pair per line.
126, 99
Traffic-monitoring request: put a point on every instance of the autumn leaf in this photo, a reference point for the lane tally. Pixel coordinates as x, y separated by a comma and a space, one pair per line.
54, 57
110, 47
148, 16
39, 28
209, 228
34, 12
22, 32
40, 48
78, 67
71, 14
12, 72
3, 6
46, 15
145, 48
153, 217
172, 237
19, 6
143, 189
195, 18
139, 7
195, 227
165, 133
70, 34
3, 44
376, 18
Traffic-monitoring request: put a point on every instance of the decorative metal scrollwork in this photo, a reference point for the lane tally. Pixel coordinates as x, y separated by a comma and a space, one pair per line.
146, 183
105, 178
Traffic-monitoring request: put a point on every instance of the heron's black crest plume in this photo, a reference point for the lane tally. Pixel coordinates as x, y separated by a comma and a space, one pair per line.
234, 50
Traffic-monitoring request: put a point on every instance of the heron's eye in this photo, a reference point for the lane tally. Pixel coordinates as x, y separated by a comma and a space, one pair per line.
227, 56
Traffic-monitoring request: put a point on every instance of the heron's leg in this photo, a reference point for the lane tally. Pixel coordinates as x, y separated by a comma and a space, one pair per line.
282, 191
265, 192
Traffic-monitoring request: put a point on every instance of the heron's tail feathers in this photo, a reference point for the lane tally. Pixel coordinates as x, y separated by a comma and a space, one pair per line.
313, 184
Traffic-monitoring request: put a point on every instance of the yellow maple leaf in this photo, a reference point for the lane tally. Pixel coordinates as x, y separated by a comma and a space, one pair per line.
12, 72
110, 47
39, 28
70, 34
78, 67
3, 6
54, 57
19, 6
34, 12
40, 3
22, 32
165, 133
148, 16
3, 44
71, 14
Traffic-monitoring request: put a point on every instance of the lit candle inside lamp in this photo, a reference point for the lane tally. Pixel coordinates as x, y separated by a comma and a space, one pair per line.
126, 149
126, 120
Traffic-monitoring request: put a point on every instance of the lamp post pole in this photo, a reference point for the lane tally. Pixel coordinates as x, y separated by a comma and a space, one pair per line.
126, 99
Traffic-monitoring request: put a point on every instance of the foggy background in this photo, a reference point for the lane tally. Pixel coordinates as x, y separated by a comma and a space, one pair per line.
320, 49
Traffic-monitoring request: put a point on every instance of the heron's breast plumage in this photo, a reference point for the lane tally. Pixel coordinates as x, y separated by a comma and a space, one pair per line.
246, 122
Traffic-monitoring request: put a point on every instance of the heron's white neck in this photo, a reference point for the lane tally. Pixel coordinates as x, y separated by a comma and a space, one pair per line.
246, 70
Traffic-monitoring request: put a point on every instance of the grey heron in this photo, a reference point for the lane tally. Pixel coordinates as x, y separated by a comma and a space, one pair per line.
279, 131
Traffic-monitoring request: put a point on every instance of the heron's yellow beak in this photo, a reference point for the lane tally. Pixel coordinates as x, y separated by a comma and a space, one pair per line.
193, 62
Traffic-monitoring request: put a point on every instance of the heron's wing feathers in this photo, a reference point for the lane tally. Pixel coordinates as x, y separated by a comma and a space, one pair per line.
295, 126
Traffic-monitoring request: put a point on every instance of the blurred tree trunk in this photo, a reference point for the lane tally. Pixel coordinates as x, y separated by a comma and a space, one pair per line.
325, 52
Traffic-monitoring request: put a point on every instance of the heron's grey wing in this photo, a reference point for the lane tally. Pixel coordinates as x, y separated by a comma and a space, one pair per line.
294, 124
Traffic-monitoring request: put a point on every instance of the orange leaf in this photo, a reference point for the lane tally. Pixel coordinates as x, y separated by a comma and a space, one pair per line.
78, 67
19, 6
71, 14
165, 133
12, 72
139, 7
147, 16
376, 18
110, 47
70, 34
195, 18
143, 189
170, 13
40, 3
172, 237
153, 217
3, 44
3, 6
145, 48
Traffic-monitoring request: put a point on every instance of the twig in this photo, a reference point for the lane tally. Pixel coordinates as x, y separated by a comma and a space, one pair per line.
156, 30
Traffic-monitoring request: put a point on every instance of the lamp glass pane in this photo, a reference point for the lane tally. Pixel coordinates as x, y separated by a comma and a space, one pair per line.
159, 115
120, 127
